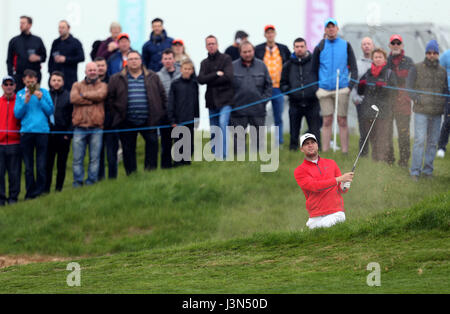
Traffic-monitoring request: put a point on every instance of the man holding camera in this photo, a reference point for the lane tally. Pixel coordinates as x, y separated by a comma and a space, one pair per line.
34, 108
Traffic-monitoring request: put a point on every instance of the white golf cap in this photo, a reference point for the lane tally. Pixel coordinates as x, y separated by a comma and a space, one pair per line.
305, 137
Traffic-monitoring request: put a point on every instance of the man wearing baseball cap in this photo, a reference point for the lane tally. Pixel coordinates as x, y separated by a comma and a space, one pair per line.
332, 54
428, 109
274, 56
10, 153
401, 65
179, 50
323, 185
119, 59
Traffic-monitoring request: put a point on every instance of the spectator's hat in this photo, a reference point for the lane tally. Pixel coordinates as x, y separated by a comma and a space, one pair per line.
306, 137
432, 46
269, 27
332, 21
8, 78
396, 37
123, 35
178, 42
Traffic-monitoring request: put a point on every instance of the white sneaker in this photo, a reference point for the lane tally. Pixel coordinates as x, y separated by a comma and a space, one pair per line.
331, 145
440, 153
119, 155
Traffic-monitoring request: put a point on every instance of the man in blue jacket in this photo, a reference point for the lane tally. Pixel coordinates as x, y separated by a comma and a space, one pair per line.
443, 141
332, 54
34, 107
153, 49
119, 59
66, 53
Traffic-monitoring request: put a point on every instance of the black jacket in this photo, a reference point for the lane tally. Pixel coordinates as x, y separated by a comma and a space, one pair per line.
260, 51
183, 103
19, 50
233, 52
63, 110
108, 113
72, 49
383, 98
297, 74
220, 89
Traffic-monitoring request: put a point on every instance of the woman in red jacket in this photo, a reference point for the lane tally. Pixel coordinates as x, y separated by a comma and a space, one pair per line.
373, 87
322, 184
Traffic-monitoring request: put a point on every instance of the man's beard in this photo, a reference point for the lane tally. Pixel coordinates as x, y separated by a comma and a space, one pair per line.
91, 80
312, 156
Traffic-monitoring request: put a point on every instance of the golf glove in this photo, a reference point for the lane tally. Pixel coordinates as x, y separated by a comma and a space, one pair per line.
346, 186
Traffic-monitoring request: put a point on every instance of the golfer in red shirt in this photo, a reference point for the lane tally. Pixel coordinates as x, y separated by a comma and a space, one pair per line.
322, 184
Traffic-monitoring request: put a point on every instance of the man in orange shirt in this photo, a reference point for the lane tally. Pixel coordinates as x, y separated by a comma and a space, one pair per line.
274, 56
322, 184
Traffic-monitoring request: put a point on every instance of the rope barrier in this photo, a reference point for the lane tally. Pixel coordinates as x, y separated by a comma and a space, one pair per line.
218, 114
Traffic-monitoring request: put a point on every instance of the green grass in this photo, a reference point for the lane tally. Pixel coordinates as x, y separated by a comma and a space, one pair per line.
411, 247
227, 227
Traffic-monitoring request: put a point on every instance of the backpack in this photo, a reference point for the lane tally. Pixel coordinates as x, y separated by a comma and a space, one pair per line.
94, 50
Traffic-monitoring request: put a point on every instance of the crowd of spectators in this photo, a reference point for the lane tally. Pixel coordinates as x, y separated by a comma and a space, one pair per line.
127, 92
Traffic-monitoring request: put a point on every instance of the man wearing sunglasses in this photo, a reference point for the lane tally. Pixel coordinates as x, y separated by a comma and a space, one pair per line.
430, 77
401, 65
10, 154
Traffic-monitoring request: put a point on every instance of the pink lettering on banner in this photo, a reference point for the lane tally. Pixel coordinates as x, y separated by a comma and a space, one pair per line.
317, 12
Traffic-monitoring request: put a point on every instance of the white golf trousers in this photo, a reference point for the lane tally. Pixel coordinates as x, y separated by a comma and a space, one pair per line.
326, 221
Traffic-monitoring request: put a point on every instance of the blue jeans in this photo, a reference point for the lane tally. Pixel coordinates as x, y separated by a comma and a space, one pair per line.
426, 137
278, 108
81, 138
221, 119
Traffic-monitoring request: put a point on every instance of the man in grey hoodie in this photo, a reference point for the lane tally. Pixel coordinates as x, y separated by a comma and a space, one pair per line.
169, 73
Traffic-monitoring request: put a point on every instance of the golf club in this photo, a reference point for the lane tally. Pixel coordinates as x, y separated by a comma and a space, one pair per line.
336, 110
375, 108
367, 137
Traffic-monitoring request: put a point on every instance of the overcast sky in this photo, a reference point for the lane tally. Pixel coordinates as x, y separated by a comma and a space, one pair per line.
195, 19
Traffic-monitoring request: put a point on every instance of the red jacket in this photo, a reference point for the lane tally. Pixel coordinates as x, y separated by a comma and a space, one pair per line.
318, 182
8, 122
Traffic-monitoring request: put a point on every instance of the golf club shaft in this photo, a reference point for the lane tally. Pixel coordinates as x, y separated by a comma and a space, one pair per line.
336, 105
365, 142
